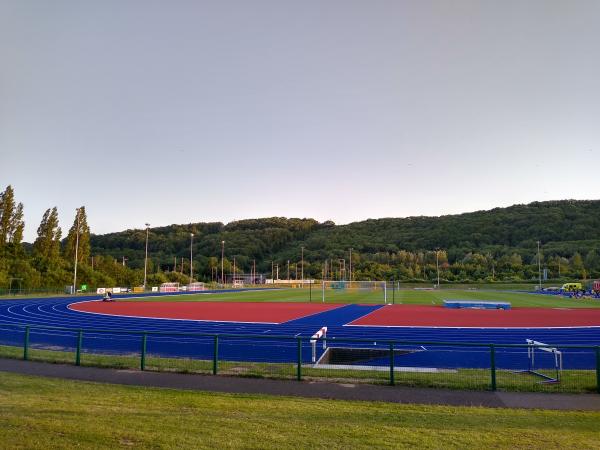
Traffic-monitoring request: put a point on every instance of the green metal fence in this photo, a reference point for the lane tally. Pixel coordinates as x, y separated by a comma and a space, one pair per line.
343, 361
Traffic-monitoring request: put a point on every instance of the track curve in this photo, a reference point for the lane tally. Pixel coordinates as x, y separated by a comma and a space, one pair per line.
55, 312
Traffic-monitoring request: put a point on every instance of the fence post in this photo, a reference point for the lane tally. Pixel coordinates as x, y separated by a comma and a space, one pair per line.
393, 292
216, 355
26, 344
493, 365
78, 353
299, 366
309, 292
598, 369
143, 356
392, 379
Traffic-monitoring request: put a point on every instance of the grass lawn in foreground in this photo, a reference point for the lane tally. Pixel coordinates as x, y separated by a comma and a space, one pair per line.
50, 413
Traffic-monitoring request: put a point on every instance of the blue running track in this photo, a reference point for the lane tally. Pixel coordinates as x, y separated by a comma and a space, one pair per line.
233, 346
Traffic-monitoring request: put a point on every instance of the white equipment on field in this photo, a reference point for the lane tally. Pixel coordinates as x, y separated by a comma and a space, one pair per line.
532, 346
169, 287
322, 333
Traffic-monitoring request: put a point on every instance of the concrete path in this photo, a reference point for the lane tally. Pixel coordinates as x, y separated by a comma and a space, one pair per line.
364, 392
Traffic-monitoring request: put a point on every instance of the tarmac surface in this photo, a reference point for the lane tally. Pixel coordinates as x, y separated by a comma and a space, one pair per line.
322, 390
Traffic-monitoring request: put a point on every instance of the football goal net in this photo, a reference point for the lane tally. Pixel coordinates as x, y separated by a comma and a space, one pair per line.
348, 291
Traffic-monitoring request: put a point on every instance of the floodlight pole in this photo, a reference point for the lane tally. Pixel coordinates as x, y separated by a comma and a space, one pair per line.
350, 268
146, 258
539, 265
222, 258
302, 266
191, 255
437, 265
76, 248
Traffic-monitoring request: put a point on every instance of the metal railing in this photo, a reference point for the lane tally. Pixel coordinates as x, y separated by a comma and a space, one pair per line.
457, 365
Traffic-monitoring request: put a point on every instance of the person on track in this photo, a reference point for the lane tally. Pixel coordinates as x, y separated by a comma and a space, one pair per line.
107, 297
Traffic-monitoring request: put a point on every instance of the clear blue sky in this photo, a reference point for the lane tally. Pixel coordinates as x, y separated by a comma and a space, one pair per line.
188, 111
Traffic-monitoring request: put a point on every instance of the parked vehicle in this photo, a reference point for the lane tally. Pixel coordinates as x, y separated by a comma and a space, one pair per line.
571, 287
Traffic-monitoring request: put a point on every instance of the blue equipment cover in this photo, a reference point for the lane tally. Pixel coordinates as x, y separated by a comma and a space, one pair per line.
477, 304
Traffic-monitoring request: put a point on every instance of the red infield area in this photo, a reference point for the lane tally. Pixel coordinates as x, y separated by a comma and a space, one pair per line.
438, 316
211, 311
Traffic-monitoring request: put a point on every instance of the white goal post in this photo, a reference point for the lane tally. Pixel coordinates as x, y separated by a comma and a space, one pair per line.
369, 290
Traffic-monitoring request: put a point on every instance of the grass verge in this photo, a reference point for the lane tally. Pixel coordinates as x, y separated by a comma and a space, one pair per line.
572, 381
50, 413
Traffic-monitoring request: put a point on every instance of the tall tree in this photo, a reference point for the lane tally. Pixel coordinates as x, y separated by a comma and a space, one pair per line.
577, 264
80, 228
47, 244
17, 226
7, 208
11, 219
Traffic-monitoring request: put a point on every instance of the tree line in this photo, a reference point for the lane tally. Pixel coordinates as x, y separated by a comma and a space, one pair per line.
484, 246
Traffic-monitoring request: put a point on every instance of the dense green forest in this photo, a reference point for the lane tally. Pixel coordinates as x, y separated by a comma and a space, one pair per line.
496, 245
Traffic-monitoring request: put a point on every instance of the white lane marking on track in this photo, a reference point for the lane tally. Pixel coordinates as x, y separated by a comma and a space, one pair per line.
475, 328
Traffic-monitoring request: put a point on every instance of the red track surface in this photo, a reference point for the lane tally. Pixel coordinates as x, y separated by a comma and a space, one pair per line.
438, 316
213, 311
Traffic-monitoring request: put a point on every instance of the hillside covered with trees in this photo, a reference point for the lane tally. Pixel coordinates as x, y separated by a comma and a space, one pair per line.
495, 245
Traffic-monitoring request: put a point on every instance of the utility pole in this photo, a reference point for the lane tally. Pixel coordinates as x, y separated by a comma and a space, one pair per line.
350, 269
222, 257
76, 248
146, 258
539, 265
437, 265
302, 265
191, 255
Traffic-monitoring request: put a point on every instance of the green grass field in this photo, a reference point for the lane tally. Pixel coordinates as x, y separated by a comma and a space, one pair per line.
402, 296
49, 413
